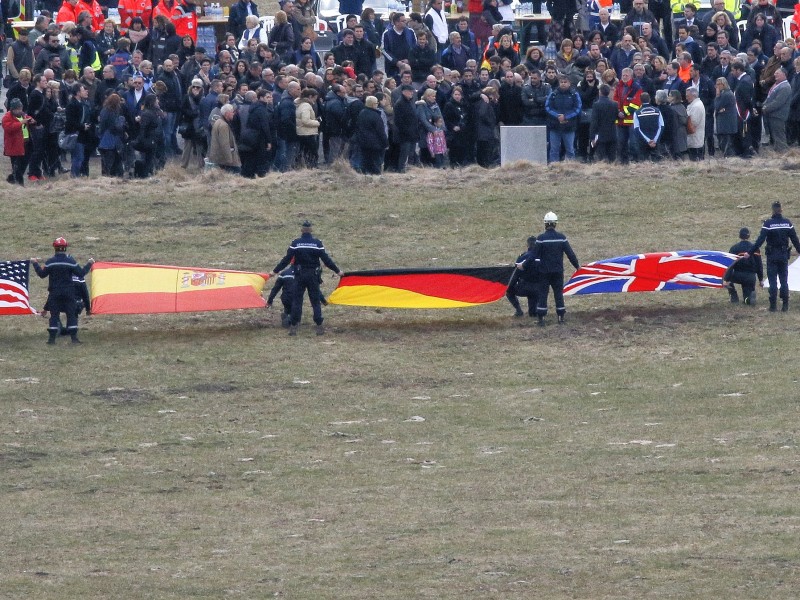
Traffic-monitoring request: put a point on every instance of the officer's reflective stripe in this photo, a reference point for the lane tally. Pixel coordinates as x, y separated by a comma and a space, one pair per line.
61, 264
550, 241
314, 246
778, 226
72, 327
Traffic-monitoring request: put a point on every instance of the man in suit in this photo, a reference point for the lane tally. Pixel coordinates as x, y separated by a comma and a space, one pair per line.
743, 91
776, 110
602, 130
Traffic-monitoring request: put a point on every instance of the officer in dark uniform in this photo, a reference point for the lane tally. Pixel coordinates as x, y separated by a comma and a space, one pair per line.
307, 251
285, 285
548, 252
777, 231
524, 282
745, 270
61, 268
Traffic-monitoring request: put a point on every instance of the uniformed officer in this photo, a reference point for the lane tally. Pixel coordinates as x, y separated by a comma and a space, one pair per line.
745, 270
777, 231
548, 252
307, 251
524, 282
60, 269
285, 285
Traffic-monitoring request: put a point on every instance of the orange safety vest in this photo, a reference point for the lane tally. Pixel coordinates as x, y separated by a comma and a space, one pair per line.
185, 19
130, 9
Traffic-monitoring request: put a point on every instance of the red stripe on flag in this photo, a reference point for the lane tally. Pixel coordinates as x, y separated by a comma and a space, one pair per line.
462, 288
189, 301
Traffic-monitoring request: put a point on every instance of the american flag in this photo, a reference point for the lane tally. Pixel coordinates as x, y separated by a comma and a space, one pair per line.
657, 271
14, 288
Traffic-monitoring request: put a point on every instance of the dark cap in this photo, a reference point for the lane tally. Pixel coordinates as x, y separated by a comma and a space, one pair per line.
406, 88
200, 49
14, 104
776, 205
255, 63
22, 32
306, 224
744, 233
347, 32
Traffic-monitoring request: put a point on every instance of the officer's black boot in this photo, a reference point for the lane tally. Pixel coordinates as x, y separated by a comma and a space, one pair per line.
785, 306
733, 294
74, 336
561, 318
541, 320
52, 339
773, 305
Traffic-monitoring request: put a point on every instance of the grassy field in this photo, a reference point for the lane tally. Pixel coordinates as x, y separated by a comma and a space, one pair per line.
646, 449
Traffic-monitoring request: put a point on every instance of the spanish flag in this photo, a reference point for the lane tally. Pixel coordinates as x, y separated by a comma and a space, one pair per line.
126, 288
423, 288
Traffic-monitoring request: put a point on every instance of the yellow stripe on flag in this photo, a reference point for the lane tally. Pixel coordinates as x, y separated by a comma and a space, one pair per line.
389, 297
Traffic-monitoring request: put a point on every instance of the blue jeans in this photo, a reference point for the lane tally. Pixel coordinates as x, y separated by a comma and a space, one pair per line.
556, 139
77, 159
170, 122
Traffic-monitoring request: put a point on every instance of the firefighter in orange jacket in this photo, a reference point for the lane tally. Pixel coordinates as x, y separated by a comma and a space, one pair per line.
129, 9
181, 13
70, 10
628, 96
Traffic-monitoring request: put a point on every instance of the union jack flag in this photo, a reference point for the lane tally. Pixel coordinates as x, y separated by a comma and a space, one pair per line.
657, 271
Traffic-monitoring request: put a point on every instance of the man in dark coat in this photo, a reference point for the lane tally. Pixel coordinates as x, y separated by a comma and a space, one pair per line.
548, 253
371, 135
259, 131
407, 126
743, 90
170, 102
602, 130
510, 109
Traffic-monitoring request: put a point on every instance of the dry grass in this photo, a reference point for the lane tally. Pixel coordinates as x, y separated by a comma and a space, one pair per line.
646, 449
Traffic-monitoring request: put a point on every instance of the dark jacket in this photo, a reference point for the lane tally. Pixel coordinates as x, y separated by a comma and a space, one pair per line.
752, 264
334, 116
78, 115
190, 118
533, 100
567, 103
258, 122
777, 231
170, 101
604, 118
725, 113
485, 122
421, 60
60, 268
549, 251
405, 121
287, 119
281, 39
510, 109
370, 132
307, 252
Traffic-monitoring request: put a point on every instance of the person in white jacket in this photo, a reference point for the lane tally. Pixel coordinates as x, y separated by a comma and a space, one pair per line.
697, 115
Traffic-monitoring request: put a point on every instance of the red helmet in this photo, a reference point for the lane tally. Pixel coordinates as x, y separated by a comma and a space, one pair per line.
60, 243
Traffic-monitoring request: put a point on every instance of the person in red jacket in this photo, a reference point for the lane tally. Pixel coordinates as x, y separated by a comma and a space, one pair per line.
15, 131
181, 13
70, 10
129, 9
628, 96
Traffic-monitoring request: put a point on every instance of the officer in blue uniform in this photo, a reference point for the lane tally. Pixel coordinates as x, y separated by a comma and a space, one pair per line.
777, 231
307, 252
745, 270
60, 269
285, 286
524, 282
548, 253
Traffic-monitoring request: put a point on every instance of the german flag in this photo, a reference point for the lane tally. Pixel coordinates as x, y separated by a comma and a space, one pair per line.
127, 288
423, 288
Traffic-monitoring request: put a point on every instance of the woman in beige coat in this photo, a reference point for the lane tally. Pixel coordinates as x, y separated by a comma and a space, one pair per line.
223, 151
308, 127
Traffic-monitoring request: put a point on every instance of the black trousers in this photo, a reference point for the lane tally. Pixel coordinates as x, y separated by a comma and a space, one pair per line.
306, 279
371, 161
546, 282
62, 303
38, 148
747, 279
778, 270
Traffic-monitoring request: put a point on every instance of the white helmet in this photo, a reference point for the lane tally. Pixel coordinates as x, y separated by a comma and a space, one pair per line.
551, 217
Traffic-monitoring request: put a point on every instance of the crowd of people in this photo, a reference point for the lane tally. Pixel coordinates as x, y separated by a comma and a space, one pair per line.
141, 93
